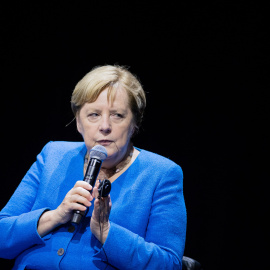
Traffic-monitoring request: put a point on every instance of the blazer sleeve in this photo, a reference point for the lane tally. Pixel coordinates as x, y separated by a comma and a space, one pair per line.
163, 246
18, 224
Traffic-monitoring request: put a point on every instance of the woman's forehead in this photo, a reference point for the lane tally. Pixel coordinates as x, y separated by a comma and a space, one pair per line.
117, 100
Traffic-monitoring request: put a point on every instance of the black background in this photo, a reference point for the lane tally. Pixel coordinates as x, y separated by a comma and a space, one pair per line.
204, 67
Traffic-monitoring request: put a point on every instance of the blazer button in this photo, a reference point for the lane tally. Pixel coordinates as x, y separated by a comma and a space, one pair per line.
60, 251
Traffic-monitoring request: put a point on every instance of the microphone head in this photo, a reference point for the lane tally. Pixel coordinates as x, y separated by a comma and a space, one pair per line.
98, 152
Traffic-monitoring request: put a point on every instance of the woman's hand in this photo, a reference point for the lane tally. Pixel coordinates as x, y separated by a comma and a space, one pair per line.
78, 198
99, 223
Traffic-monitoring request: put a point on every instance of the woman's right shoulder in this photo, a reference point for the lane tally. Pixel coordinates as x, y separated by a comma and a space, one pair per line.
62, 147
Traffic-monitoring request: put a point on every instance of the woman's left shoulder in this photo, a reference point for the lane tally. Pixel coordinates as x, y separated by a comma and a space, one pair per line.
157, 160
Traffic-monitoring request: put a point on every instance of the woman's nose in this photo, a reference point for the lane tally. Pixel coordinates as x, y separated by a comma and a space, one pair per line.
105, 125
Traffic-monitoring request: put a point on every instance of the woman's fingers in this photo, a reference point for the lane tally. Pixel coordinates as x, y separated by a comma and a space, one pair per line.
78, 192
99, 223
102, 208
83, 184
95, 192
78, 198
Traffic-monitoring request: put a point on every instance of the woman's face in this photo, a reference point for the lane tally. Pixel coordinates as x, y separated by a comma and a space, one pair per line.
110, 124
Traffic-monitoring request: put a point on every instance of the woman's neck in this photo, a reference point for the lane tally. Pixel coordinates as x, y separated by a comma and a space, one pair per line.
107, 173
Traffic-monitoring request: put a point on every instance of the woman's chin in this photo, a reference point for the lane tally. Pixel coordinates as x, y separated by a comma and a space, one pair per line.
110, 157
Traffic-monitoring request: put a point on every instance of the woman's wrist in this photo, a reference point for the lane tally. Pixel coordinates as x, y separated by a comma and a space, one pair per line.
47, 222
100, 230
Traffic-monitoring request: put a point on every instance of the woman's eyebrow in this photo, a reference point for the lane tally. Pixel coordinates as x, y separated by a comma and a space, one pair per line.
123, 111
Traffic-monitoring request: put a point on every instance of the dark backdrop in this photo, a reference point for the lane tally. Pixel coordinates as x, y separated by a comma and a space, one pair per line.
204, 67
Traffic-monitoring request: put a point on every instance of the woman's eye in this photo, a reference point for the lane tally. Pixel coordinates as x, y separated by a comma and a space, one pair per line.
93, 115
117, 116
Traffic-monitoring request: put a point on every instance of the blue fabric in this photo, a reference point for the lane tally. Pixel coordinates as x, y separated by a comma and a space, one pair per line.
148, 215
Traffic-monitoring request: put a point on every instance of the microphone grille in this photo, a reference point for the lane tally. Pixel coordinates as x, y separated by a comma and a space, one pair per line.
99, 152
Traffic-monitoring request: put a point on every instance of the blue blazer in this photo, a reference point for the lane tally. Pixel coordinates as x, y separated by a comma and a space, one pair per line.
147, 219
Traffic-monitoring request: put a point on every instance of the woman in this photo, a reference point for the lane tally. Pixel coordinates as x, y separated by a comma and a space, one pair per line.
140, 225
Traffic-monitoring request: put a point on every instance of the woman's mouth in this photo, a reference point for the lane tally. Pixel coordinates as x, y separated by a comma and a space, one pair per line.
104, 142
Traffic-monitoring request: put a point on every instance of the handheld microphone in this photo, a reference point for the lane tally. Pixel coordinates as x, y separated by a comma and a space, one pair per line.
97, 154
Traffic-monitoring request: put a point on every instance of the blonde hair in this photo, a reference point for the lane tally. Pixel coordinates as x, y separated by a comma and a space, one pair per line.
110, 77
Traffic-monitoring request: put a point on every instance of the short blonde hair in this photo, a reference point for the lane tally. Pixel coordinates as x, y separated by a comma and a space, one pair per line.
110, 77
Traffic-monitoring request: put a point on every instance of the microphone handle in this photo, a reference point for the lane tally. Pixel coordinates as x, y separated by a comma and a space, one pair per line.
90, 177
